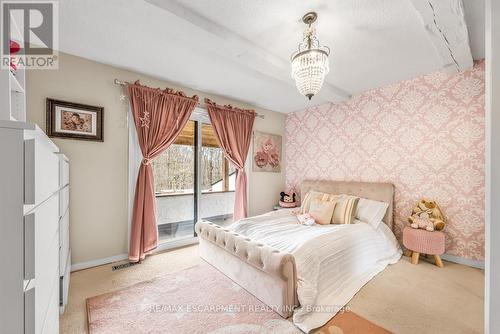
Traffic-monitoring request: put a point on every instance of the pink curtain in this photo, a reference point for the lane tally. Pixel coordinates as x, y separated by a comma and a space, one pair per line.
159, 116
233, 127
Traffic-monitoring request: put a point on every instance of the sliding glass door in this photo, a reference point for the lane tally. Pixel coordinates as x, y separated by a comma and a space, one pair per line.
217, 180
193, 181
174, 175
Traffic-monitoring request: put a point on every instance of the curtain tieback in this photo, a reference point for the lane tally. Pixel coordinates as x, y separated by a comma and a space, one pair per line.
146, 161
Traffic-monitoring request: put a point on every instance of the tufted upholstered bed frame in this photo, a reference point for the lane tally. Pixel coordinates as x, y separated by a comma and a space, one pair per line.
266, 272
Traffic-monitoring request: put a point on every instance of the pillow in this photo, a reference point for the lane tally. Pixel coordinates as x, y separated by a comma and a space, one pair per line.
345, 210
321, 209
312, 194
305, 203
371, 212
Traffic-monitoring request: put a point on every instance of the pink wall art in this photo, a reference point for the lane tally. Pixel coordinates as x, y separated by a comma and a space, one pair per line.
266, 152
426, 136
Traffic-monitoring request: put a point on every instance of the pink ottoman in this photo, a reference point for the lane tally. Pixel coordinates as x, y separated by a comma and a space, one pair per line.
425, 242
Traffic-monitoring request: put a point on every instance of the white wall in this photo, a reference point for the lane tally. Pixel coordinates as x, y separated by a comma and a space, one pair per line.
265, 187
99, 171
492, 294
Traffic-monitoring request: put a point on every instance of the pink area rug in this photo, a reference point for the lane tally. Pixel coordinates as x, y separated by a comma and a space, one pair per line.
198, 300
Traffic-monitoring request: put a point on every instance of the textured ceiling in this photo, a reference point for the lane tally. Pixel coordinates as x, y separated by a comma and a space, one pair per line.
241, 48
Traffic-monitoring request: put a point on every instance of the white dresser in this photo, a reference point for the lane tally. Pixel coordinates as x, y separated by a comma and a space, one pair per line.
34, 238
64, 248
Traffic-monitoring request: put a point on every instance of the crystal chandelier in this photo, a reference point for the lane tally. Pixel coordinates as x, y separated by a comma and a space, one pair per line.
310, 61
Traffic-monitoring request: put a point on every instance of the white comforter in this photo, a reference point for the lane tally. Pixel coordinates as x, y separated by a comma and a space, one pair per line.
333, 261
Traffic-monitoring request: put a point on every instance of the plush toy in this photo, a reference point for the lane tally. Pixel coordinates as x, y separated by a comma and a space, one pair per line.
422, 223
287, 200
306, 219
427, 215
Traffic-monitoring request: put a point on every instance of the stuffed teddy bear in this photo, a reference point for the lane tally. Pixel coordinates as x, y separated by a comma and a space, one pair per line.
287, 200
422, 223
427, 215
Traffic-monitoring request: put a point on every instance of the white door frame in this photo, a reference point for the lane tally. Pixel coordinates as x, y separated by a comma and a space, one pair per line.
492, 121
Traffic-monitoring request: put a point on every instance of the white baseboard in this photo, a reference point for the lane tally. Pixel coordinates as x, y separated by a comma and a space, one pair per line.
460, 260
121, 257
98, 262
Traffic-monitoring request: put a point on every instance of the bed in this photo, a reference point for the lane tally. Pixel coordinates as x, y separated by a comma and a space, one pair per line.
309, 273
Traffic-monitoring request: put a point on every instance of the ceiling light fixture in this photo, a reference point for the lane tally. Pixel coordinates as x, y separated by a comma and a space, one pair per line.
310, 61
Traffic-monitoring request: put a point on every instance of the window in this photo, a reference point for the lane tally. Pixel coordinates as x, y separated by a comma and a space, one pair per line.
218, 173
175, 171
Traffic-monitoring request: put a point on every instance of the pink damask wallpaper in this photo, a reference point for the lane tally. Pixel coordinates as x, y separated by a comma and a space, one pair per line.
425, 135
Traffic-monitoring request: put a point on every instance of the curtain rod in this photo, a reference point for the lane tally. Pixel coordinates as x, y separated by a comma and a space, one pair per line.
199, 105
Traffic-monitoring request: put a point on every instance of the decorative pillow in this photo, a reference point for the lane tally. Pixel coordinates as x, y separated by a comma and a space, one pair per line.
345, 210
306, 202
371, 212
321, 209
312, 194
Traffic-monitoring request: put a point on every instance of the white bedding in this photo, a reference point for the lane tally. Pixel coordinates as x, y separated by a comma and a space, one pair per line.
333, 261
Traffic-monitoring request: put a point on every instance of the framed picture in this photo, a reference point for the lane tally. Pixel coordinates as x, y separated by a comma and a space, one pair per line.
74, 120
266, 152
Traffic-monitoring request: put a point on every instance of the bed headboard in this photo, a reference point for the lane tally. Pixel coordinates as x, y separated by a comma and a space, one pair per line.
383, 192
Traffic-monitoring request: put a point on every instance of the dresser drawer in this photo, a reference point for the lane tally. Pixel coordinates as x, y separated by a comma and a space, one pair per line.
29, 246
63, 242
51, 319
64, 288
47, 289
45, 220
41, 230
63, 201
29, 311
63, 171
41, 172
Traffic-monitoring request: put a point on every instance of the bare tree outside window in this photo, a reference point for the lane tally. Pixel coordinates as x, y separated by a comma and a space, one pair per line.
174, 169
174, 175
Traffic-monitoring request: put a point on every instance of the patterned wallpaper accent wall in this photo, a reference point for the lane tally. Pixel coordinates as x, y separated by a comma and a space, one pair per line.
425, 135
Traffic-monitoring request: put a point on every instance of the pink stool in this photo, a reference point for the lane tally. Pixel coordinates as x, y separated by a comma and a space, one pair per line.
421, 241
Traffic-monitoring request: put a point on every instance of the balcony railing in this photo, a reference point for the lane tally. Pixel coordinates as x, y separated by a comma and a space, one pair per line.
175, 212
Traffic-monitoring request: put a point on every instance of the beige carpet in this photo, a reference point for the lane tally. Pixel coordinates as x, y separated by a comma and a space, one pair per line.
404, 298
